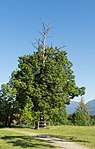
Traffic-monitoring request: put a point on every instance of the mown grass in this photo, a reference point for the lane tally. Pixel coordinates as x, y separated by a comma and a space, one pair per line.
17, 140
84, 135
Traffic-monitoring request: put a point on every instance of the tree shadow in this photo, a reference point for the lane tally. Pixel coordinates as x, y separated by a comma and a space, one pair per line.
27, 141
65, 138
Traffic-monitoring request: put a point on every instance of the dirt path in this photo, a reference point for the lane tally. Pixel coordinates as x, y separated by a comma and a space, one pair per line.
55, 141
61, 143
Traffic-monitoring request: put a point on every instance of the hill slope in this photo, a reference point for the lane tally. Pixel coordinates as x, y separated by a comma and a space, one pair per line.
71, 108
91, 106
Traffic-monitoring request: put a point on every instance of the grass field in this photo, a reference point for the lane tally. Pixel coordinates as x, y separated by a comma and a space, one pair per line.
16, 140
84, 135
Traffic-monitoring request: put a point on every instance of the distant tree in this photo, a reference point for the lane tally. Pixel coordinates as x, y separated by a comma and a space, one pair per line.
82, 116
46, 78
92, 119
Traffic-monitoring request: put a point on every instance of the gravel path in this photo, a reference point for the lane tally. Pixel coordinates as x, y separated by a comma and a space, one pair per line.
62, 144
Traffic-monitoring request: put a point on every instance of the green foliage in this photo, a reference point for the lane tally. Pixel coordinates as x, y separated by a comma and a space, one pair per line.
92, 120
58, 116
82, 117
8, 104
27, 113
48, 83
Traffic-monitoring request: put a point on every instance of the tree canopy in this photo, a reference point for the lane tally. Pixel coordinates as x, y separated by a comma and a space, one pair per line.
46, 79
49, 84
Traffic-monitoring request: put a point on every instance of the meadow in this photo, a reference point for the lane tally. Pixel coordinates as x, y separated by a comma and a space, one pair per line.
84, 135
16, 140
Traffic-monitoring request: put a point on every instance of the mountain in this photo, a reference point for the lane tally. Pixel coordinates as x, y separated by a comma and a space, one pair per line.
71, 108
91, 106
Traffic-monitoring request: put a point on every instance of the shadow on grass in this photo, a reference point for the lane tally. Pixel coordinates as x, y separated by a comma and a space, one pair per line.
27, 141
70, 139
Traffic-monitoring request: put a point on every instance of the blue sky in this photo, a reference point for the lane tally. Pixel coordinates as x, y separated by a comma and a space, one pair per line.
73, 25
